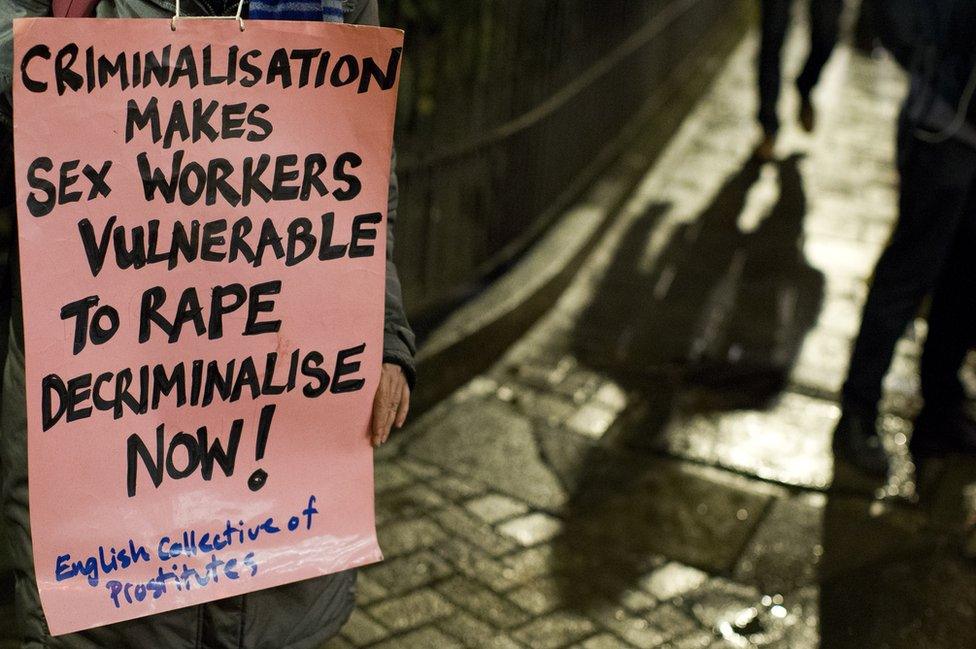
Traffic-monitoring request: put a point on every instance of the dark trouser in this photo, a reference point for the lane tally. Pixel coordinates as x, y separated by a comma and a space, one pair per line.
824, 27
932, 252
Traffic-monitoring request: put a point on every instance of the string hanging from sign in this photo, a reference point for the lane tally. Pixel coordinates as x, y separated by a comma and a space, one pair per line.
237, 16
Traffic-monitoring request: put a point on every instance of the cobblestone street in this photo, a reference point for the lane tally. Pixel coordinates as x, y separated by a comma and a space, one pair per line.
650, 465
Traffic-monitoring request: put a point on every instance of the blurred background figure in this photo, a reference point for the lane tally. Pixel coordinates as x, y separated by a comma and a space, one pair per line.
824, 29
931, 252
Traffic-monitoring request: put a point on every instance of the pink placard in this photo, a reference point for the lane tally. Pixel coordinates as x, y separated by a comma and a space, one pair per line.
202, 352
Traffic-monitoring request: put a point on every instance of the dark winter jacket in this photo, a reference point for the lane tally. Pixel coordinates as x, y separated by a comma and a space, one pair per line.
934, 40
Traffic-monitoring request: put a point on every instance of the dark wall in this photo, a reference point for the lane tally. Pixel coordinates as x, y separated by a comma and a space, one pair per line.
504, 107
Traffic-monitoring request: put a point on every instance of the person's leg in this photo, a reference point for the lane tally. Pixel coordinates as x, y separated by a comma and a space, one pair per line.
943, 425
935, 182
952, 319
775, 20
824, 28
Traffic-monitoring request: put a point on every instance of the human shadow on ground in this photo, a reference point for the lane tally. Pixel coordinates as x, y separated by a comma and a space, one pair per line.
719, 314
898, 576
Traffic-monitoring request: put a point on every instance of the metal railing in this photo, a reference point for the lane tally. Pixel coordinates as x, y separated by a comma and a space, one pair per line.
504, 105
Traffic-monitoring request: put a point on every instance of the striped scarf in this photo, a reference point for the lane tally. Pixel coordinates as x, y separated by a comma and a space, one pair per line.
329, 11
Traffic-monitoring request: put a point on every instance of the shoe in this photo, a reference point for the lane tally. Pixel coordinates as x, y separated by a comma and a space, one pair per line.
766, 149
807, 115
941, 431
857, 444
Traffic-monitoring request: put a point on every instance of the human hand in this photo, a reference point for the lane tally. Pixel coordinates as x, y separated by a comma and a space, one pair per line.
390, 405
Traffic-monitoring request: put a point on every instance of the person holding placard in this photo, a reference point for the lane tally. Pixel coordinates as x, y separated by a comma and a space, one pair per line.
299, 615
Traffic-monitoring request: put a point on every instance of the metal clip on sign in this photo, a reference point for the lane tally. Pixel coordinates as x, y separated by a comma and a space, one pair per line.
237, 17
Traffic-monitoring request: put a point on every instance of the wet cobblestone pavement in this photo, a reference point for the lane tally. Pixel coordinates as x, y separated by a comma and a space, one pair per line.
649, 466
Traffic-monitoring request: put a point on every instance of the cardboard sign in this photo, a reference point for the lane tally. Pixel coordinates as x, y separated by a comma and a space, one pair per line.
202, 217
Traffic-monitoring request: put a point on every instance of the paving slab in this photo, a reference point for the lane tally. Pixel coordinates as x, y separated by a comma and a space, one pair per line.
493, 444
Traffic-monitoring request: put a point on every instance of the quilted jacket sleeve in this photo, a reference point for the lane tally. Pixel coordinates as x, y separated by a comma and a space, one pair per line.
399, 344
